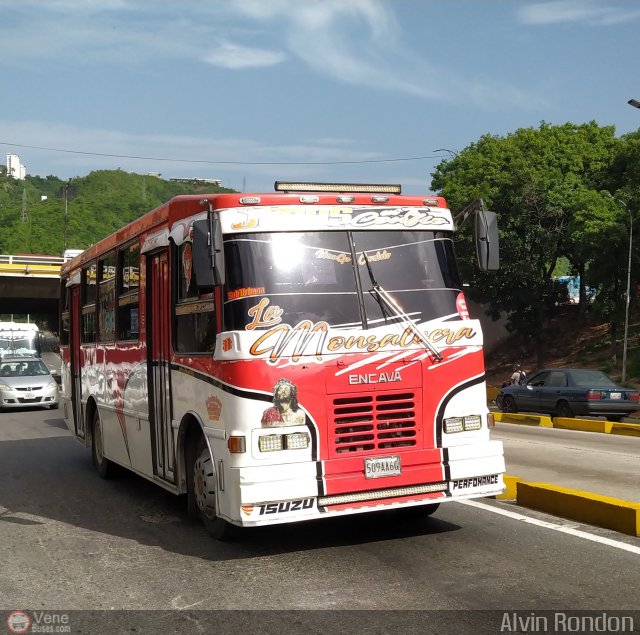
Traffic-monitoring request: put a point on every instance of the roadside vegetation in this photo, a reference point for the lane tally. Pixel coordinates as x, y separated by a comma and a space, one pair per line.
565, 196
32, 211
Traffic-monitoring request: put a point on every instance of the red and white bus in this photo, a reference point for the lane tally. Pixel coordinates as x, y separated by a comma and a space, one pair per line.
284, 356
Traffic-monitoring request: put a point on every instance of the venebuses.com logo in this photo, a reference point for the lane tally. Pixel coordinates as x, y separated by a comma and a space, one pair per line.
37, 622
18, 622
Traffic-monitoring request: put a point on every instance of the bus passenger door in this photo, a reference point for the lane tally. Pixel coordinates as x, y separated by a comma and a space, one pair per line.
75, 327
159, 326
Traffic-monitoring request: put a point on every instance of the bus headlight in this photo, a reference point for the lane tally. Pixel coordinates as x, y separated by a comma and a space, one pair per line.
270, 443
458, 424
453, 424
275, 442
296, 441
473, 422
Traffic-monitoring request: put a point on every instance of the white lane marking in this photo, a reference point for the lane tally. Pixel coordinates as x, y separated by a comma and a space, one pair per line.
561, 528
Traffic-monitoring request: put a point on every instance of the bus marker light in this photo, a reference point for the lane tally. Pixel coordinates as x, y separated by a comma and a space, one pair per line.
237, 445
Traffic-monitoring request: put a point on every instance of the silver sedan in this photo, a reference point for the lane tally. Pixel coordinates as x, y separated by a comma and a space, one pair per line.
26, 382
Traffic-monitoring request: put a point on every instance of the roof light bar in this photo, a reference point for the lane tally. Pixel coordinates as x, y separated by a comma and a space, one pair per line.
300, 186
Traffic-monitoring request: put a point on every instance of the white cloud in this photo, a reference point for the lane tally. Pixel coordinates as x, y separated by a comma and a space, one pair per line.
234, 56
580, 11
358, 42
63, 147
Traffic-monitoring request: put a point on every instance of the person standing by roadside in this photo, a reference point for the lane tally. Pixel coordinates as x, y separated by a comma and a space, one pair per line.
518, 376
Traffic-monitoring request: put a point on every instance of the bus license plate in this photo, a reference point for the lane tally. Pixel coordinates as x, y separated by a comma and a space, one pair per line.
382, 466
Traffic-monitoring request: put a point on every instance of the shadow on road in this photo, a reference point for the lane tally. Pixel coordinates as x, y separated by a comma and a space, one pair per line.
52, 478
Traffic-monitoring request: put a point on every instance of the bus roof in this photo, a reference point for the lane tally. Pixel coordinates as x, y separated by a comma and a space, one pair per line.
186, 205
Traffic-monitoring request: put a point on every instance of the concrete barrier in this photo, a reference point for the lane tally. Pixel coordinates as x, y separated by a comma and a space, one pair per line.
628, 429
564, 423
492, 393
511, 491
527, 420
585, 425
603, 511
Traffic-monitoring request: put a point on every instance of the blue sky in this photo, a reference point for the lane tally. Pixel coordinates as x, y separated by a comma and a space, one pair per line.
251, 91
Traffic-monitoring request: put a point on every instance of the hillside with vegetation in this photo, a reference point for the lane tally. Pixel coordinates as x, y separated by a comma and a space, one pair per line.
32, 211
574, 341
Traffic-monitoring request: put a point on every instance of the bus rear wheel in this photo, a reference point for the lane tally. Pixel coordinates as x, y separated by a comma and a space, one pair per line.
204, 486
104, 467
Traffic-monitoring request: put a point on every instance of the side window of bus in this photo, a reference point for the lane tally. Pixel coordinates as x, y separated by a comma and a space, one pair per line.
64, 312
128, 296
106, 298
195, 318
89, 283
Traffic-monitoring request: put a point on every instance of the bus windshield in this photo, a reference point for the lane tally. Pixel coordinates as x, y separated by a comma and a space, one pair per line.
311, 276
17, 343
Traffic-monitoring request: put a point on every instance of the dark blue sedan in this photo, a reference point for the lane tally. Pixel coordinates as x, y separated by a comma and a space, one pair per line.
569, 392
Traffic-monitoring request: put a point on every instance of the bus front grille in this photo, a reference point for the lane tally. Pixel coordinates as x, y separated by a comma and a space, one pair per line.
370, 422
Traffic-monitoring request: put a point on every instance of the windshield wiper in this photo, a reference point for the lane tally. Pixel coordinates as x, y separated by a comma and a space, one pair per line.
384, 299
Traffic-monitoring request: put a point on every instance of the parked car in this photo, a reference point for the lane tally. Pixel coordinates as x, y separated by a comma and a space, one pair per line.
567, 392
26, 381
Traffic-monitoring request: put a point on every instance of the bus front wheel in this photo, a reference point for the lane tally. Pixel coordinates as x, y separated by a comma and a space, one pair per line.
104, 466
204, 485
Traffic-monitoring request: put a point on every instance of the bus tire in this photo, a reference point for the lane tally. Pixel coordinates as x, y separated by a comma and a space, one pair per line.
204, 485
104, 467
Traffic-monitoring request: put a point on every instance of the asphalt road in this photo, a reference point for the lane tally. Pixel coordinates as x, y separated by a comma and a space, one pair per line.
606, 464
69, 540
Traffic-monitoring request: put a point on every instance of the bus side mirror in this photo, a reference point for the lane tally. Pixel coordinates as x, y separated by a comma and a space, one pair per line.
487, 241
208, 255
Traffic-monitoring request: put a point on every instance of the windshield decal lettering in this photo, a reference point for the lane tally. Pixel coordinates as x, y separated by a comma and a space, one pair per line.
341, 216
264, 315
245, 292
312, 338
343, 259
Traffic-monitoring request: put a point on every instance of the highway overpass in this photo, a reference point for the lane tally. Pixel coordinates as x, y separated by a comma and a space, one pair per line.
30, 285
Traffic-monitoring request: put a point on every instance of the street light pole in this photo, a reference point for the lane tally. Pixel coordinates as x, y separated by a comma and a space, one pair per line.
453, 153
626, 313
636, 104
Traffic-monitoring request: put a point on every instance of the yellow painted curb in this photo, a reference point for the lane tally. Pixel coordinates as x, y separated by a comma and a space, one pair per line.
510, 483
586, 425
629, 429
527, 420
593, 509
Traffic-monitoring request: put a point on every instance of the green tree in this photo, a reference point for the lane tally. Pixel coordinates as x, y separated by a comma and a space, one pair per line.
96, 205
534, 179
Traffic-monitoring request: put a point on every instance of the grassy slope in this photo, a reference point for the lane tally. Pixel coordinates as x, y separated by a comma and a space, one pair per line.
573, 345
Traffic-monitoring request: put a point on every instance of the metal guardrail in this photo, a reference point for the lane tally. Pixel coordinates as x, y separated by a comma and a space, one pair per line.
30, 265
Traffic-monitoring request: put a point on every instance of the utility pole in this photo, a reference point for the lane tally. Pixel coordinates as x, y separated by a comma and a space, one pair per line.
24, 215
66, 189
